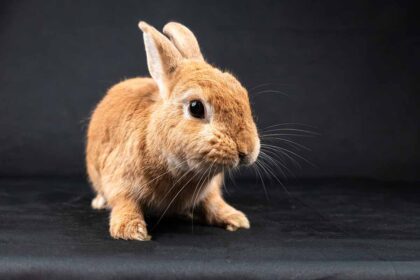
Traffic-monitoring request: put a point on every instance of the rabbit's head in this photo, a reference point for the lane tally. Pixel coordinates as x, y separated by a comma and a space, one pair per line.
203, 118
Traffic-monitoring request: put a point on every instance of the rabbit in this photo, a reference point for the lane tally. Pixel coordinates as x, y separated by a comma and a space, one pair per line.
162, 144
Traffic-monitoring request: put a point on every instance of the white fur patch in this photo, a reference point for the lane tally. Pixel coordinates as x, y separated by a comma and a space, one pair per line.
254, 154
176, 164
99, 202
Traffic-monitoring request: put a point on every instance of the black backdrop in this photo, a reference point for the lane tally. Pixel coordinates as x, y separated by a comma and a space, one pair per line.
349, 68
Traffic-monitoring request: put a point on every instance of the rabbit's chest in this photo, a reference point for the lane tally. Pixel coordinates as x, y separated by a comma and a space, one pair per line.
177, 196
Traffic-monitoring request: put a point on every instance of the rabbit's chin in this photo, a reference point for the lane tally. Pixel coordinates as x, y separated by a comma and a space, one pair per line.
196, 165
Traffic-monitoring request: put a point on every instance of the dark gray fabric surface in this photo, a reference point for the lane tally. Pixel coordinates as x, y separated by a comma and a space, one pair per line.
339, 229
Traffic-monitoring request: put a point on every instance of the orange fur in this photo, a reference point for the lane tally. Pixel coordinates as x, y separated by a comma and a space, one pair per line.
145, 154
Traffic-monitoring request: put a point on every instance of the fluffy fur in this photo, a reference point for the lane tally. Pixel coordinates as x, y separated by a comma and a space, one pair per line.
146, 153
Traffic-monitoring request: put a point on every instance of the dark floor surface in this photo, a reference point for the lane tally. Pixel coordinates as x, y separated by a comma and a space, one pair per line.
322, 229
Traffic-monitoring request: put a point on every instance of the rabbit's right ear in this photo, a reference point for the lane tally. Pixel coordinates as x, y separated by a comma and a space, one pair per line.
162, 56
183, 39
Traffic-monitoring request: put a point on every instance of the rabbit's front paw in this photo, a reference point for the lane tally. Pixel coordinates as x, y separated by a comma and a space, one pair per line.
129, 230
235, 221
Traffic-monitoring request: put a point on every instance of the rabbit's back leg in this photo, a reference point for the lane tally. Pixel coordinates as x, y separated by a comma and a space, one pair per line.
99, 202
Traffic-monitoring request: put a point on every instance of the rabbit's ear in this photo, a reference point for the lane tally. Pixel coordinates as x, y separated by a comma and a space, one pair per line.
183, 39
162, 56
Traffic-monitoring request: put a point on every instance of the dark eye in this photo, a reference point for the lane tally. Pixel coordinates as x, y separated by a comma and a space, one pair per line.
197, 109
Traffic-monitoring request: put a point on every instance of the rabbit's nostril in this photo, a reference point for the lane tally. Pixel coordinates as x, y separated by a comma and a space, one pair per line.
242, 157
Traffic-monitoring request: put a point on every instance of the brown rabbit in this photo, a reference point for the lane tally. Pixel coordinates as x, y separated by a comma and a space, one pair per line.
162, 144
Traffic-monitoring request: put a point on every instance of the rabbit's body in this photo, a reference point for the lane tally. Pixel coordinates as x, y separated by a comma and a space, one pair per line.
146, 152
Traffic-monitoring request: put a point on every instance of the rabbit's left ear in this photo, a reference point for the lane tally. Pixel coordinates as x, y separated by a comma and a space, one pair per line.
183, 39
162, 56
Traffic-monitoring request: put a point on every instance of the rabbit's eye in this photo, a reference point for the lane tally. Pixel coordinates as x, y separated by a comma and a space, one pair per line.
197, 109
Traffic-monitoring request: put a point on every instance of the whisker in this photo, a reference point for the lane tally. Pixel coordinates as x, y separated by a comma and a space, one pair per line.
280, 163
275, 162
299, 156
224, 181
290, 142
277, 179
292, 129
173, 199
163, 174
281, 151
175, 183
271, 91
290, 123
287, 134
199, 187
278, 149
257, 166
231, 177
259, 86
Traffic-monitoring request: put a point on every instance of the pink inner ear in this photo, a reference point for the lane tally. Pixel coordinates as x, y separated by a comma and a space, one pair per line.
162, 57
